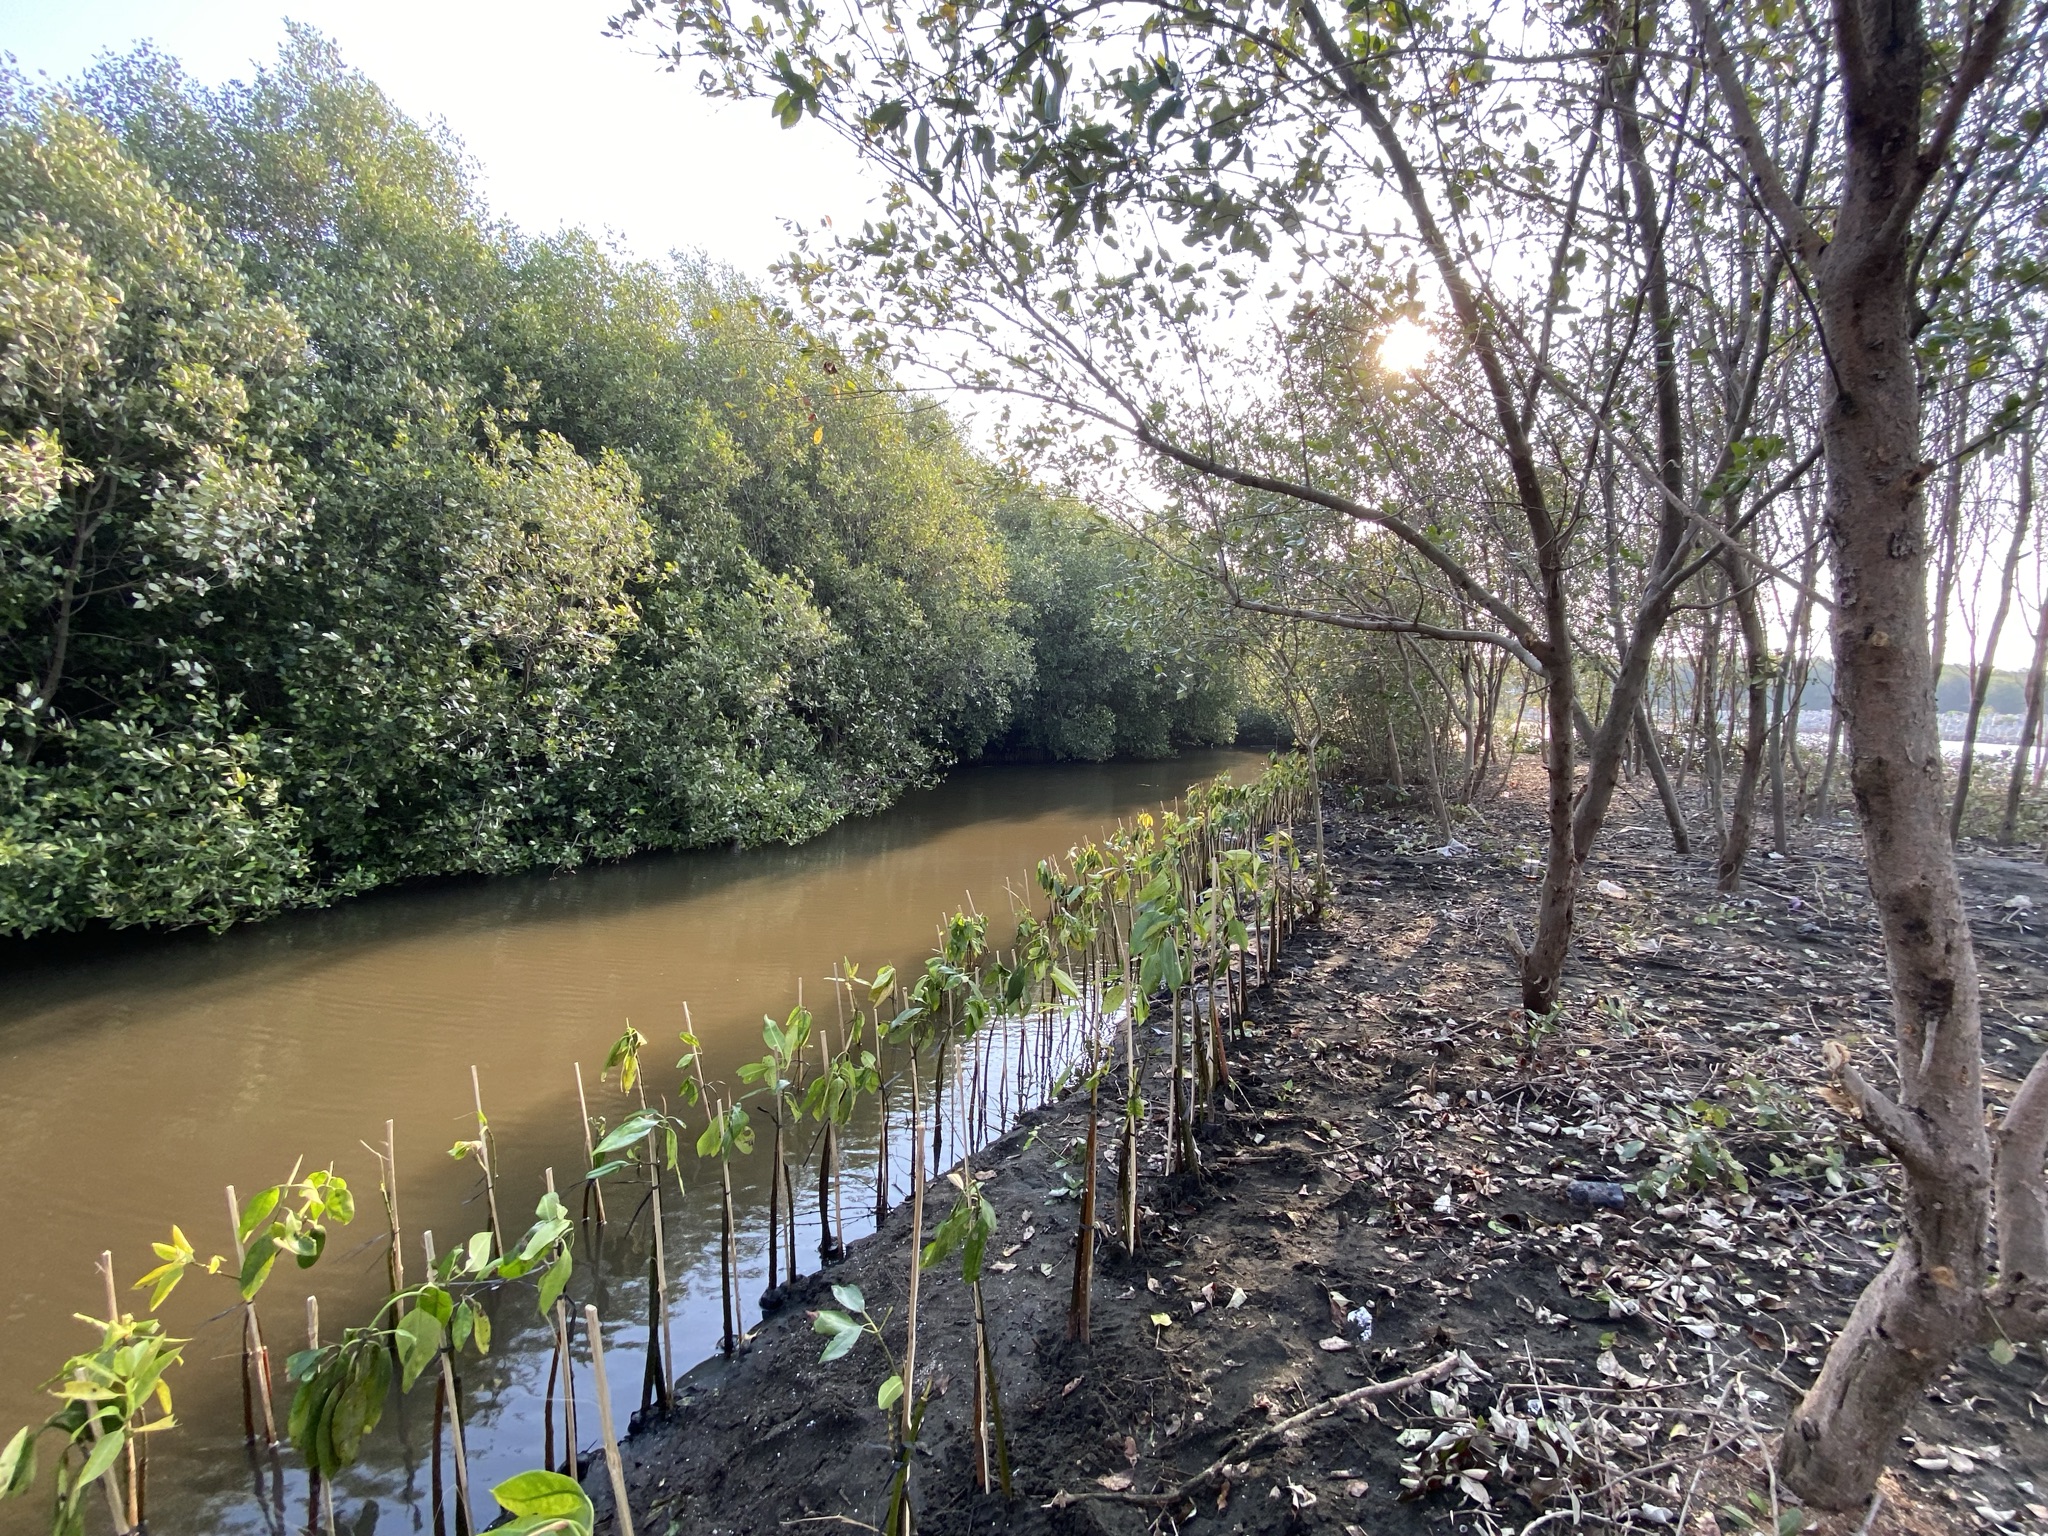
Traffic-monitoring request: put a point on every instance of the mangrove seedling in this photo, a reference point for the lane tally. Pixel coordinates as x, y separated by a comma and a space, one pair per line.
859, 1074
966, 1231
779, 1075
843, 1330
292, 1218
831, 1098
104, 1393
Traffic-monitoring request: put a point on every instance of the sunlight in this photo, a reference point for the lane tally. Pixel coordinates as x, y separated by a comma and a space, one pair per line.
1405, 347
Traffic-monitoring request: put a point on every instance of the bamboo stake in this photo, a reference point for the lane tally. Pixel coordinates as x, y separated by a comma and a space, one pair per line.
728, 1250
125, 1513
464, 1524
397, 1258
589, 1151
612, 1464
662, 1377
568, 1375
253, 1347
572, 1461
483, 1155
116, 1507
315, 1483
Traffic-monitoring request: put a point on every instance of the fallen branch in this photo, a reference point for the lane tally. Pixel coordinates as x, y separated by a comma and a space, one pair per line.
1366, 1394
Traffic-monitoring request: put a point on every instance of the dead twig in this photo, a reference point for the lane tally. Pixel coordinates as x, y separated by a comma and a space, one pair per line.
1329, 1406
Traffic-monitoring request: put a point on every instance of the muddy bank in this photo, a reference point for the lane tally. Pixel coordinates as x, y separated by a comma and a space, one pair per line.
1394, 1142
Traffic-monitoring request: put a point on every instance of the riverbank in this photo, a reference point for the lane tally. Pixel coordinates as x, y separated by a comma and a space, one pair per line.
1394, 1144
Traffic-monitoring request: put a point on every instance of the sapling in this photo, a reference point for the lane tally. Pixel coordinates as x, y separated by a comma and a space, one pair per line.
590, 1185
786, 1044
966, 1231
1084, 1232
103, 1393
486, 1157
292, 1218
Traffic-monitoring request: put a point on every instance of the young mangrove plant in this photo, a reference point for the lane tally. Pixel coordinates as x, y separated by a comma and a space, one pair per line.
105, 1393
832, 1098
966, 1231
779, 1076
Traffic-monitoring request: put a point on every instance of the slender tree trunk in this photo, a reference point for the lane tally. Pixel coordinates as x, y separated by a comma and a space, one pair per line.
1928, 1301
1980, 682
1756, 657
2037, 673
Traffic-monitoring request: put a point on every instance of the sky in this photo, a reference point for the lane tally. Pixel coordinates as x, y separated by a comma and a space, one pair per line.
567, 126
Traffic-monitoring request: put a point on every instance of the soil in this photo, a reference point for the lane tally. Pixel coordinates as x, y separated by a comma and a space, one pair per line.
1392, 1141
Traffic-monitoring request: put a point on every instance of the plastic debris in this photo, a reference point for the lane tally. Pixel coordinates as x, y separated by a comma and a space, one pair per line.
1597, 1193
1360, 1318
1611, 891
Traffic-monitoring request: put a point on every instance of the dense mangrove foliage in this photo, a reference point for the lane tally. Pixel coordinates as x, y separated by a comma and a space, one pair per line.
348, 535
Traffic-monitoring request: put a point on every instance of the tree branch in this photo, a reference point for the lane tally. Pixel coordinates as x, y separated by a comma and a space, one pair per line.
2022, 1186
1792, 222
1890, 1124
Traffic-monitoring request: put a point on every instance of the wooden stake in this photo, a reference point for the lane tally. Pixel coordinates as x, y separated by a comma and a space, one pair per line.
390, 1172
315, 1482
464, 1522
604, 1422
668, 1358
253, 1347
483, 1156
125, 1514
589, 1151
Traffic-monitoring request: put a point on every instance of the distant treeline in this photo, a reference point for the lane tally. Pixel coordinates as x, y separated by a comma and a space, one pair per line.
348, 535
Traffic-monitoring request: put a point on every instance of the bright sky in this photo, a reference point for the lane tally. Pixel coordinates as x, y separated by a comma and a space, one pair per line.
567, 125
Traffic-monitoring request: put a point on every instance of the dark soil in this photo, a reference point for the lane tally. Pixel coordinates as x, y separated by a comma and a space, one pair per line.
1392, 1139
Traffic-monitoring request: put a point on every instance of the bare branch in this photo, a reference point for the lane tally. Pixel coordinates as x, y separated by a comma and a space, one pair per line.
1792, 222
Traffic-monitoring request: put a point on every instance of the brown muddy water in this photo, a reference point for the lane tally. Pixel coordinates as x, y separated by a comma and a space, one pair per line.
135, 1085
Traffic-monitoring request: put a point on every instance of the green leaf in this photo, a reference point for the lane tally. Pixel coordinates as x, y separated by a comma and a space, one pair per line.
633, 1128
2002, 1352
482, 1328
544, 1493
419, 1340
890, 1393
18, 1463
844, 1331
850, 1297
256, 1266
256, 1212
438, 1302
554, 1280
103, 1455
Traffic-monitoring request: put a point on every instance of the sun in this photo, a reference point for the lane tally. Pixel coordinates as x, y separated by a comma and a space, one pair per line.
1405, 347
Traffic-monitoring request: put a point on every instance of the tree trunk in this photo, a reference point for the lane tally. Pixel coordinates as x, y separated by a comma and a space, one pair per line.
1756, 659
2037, 673
1667, 796
1980, 681
1927, 1303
